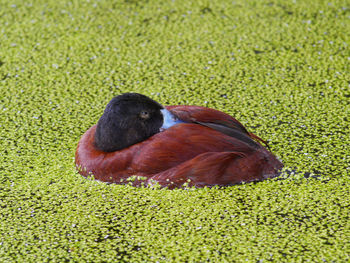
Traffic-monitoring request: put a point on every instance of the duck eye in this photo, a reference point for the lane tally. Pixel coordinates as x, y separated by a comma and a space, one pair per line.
144, 114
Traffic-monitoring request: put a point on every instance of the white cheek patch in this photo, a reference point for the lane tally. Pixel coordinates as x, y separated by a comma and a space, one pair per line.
169, 120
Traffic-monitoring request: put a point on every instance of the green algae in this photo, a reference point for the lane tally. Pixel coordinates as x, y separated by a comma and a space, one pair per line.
280, 67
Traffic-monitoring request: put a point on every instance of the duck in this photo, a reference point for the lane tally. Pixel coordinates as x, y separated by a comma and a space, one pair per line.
140, 142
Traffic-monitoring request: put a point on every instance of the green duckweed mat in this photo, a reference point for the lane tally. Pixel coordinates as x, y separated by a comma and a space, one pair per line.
280, 67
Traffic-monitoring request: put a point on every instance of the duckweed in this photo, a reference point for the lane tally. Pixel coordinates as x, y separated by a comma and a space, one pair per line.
280, 67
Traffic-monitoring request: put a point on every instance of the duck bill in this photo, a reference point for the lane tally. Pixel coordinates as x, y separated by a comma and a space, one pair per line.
169, 120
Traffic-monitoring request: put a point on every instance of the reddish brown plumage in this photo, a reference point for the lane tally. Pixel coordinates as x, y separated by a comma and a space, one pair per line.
185, 153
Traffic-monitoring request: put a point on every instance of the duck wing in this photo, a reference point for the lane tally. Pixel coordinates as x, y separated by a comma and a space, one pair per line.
219, 168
